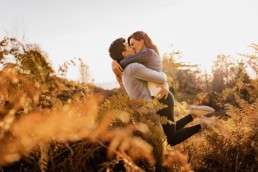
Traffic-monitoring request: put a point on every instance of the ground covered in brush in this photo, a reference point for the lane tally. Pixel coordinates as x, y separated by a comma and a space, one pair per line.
48, 123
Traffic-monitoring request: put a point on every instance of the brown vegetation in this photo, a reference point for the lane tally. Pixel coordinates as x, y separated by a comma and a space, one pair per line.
48, 123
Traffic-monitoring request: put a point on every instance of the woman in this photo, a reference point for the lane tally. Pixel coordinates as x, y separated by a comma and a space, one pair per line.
147, 54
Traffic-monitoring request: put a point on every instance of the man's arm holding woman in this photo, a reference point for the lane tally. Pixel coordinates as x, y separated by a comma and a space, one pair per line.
141, 72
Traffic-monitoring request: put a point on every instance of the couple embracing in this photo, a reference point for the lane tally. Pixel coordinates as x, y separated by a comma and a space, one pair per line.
138, 69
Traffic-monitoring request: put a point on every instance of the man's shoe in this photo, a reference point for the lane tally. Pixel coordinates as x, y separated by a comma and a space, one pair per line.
198, 111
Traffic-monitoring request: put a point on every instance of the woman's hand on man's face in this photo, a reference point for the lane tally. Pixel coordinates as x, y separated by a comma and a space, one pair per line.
117, 69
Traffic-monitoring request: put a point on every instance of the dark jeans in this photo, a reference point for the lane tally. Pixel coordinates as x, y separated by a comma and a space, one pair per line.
176, 133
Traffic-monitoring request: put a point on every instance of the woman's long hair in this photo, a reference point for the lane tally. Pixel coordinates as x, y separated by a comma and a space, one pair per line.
138, 35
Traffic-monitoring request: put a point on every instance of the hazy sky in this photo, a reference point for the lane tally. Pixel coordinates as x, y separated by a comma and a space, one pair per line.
200, 29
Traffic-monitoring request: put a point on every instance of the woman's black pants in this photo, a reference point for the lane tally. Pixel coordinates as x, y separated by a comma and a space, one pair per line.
176, 133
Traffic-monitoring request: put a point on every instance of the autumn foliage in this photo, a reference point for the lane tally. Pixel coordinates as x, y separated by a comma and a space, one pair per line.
49, 123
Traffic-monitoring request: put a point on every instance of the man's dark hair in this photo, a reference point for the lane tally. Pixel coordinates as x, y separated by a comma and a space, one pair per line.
116, 48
